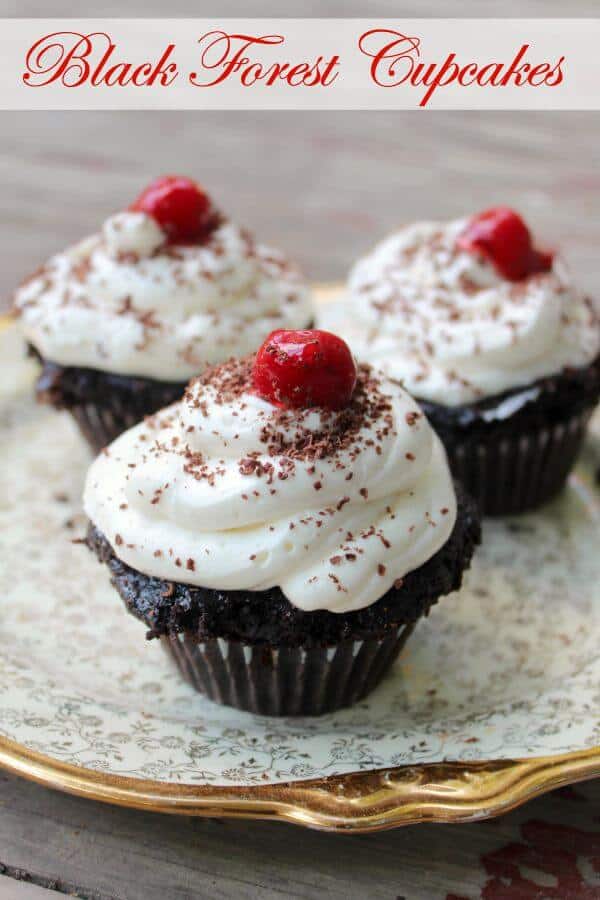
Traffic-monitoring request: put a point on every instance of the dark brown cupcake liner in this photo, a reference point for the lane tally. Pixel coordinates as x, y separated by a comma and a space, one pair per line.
100, 425
103, 404
521, 471
289, 681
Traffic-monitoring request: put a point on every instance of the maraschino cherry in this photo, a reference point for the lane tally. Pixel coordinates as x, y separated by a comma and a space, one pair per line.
502, 237
301, 369
180, 206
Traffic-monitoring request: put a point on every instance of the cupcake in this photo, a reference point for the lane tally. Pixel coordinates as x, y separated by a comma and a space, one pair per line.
121, 321
282, 528
494, 341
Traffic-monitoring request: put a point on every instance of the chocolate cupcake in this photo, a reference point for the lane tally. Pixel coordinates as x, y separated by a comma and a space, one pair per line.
283, 527
494, 341
122, 320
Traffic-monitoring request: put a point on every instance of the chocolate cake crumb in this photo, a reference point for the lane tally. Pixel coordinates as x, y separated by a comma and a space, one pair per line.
268, 618
121, 400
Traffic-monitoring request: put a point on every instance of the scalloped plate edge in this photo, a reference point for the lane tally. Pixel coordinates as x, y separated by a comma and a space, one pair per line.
359, 802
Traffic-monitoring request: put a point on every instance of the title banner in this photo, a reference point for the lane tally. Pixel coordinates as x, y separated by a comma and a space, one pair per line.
300, 64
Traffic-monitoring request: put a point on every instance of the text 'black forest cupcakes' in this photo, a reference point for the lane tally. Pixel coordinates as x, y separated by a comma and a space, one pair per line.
494, 341
122, 320
283, 527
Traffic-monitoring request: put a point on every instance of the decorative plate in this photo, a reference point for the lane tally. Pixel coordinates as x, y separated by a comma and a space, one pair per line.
495, 699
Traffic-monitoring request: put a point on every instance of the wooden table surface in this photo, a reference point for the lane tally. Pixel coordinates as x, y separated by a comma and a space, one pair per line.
324, 187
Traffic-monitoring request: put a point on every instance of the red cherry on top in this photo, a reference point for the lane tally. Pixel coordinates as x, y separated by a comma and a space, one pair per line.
301, 369
180, 206
501, 235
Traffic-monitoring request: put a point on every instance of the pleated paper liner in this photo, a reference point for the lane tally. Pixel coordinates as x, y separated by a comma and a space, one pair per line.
289, 681
522, 471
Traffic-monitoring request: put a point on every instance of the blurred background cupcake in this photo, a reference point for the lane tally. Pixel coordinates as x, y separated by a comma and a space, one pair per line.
282, 528
491, 336
123, 319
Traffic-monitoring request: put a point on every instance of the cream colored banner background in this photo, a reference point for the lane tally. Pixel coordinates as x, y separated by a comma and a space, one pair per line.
482, 42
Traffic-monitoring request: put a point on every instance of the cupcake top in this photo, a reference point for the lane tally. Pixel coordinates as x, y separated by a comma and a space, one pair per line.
166, 288
247, 483
464, 310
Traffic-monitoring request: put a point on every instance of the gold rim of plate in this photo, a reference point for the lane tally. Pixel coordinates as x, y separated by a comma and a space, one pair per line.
371, 800
358, 802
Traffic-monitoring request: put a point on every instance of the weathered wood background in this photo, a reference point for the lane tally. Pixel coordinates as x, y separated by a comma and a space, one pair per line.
548, 849
323, 187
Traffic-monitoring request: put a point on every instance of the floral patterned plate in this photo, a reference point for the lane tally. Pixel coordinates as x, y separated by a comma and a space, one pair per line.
495, 699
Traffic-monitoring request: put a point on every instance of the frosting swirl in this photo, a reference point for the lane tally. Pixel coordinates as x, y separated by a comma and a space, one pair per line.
125, 301
224, 490
443, 322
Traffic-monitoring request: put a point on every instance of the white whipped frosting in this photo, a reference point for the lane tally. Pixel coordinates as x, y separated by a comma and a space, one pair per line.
198, 495
443, 321
124, 301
